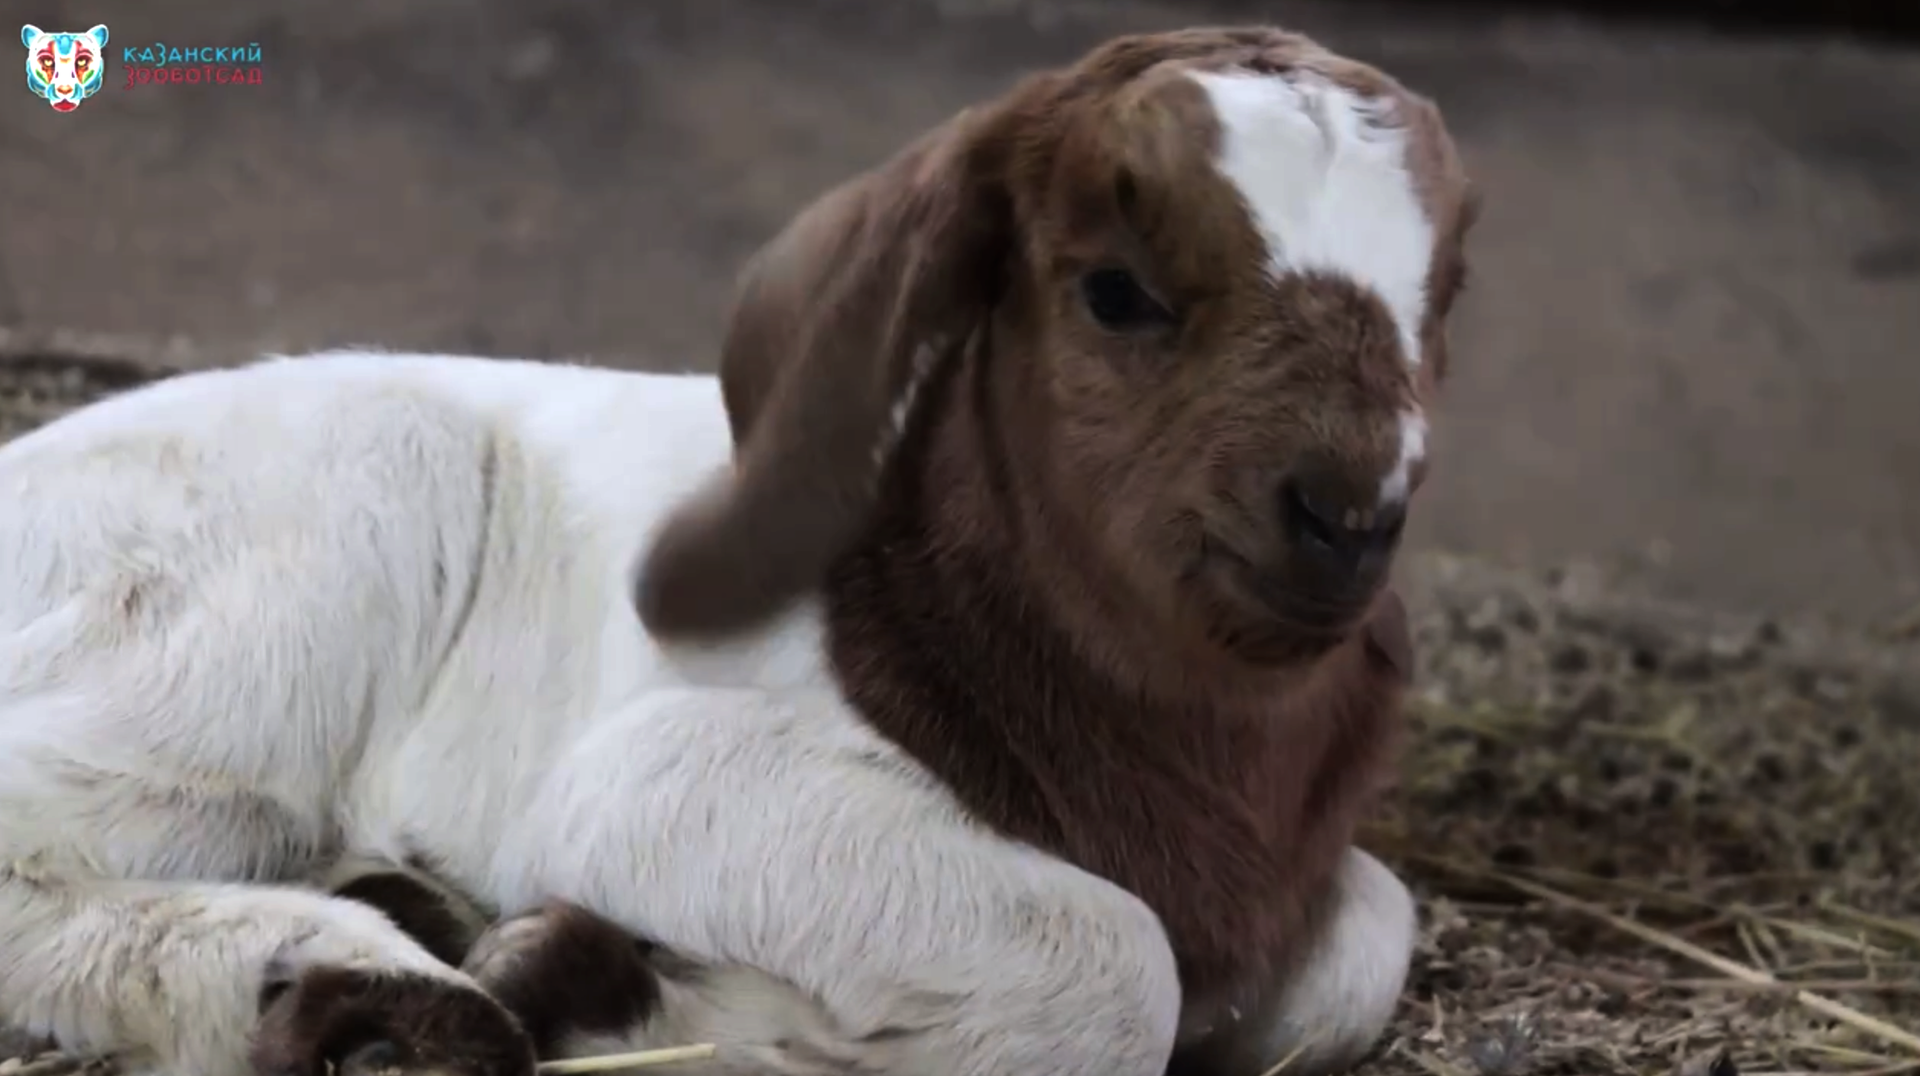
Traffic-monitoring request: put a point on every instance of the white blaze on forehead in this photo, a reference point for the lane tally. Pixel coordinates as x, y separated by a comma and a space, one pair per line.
1413, 448
1328, 185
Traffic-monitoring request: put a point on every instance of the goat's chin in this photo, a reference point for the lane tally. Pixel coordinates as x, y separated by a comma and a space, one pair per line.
1259, 618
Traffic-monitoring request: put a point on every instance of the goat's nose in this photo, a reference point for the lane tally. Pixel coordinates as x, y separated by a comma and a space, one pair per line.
1340, 523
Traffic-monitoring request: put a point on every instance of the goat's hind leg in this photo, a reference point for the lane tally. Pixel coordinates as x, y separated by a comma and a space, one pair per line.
220, 979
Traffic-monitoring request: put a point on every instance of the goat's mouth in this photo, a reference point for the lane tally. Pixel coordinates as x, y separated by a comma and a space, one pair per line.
1274, 613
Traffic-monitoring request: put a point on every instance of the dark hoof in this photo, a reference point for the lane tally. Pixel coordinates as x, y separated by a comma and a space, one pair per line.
564, 971
331, 1021
441, 919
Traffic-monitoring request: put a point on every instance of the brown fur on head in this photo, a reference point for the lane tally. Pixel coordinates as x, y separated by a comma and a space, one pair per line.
1242, 402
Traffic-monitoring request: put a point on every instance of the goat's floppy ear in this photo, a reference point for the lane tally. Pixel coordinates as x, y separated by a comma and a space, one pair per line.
836, 323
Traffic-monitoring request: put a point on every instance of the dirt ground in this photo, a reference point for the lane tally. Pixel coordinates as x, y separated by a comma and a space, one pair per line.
1688, 357
1689, 351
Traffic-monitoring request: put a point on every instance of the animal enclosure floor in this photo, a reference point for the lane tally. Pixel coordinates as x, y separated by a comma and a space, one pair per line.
1622, 826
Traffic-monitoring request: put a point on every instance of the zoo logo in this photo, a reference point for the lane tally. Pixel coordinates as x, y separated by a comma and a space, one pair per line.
65, 69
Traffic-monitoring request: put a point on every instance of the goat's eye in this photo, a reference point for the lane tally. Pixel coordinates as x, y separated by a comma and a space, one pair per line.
1118, 302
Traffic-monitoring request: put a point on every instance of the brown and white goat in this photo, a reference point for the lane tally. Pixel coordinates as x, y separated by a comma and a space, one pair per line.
1095, 417
1011, 701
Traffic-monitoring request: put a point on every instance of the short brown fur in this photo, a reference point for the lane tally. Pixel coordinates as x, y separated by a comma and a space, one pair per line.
1220, 795
427, 913
1060, 585
560, 970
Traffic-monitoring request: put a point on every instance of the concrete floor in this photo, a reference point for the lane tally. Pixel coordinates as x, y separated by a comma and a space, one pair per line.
1692, 347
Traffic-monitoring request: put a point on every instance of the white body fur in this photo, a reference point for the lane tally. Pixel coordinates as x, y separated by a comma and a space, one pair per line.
377, 603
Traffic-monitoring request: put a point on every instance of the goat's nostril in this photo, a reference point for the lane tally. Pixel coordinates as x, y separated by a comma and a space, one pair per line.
1307, 520
1330, 525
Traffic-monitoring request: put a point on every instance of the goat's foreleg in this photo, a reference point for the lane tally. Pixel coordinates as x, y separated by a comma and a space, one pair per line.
210, 978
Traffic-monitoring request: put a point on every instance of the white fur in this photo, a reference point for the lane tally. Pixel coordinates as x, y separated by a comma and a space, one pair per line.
1325, 1020
1395, 488
359, 603
1328, 185
1330, 190
747, 1010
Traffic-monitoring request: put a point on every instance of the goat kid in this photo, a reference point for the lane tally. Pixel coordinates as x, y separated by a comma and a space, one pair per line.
1037, 747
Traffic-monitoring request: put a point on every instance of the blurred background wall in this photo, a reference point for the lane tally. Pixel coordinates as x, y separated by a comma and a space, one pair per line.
1691, 351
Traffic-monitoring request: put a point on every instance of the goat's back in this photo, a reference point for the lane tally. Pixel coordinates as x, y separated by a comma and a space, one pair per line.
319, 583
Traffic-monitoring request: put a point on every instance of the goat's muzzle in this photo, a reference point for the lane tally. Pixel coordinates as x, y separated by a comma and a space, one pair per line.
1341, 548
1337, 540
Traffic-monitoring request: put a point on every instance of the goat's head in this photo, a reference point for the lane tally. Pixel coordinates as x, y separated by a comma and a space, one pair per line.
1213, 268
